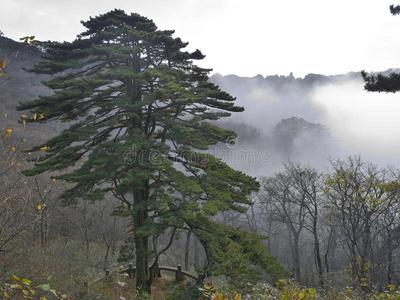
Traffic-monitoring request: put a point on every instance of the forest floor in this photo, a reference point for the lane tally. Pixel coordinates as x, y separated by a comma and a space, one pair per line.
116, 287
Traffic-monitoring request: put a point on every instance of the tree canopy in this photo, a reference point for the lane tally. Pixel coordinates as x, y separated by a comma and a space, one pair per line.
287, 131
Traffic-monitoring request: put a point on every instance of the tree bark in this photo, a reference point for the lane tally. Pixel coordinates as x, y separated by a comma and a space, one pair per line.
142, 264
365, 261
294, 241
296, 257
86, 230
140, 198
187, 248
196, 253
318, 255
143, 278
390, 260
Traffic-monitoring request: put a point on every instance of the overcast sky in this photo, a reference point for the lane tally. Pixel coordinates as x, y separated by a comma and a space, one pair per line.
244, 37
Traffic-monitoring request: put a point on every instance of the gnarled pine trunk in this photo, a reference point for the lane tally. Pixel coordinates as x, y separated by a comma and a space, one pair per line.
143, 280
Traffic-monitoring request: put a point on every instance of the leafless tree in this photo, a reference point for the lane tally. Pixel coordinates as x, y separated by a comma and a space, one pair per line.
284, 204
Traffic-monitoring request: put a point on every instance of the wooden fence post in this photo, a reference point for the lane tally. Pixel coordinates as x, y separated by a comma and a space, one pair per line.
179, 275
130, 269
200, 278
85, 287
151, 274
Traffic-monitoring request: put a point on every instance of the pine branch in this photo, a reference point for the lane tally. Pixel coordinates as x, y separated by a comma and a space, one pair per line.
395, 10
380, 83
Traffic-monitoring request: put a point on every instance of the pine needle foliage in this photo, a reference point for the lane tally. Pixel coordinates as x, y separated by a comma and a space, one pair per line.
141, 114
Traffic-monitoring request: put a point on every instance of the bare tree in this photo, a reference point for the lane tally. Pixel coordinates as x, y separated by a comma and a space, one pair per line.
285, 205
309, 183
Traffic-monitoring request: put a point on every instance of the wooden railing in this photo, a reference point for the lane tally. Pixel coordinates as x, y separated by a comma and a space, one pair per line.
131, 270
179, 273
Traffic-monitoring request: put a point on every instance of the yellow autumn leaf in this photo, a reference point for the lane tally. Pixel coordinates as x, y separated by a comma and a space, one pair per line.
8, 133
12, 148
2, 64
24, 116
39, 207
302, 295
54, 180
282, 282
41, 116
45, 148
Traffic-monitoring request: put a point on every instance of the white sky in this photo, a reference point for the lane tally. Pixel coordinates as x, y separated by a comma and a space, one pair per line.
243, 37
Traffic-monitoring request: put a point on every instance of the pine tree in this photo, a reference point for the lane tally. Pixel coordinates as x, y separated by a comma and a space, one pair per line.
142, 113
287, 131
381, 83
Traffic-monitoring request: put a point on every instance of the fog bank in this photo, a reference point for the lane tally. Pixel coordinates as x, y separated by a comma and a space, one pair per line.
359, 122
